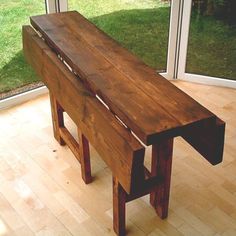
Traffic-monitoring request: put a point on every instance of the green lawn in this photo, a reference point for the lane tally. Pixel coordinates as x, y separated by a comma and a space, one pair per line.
93, 8
139, 25
14, 72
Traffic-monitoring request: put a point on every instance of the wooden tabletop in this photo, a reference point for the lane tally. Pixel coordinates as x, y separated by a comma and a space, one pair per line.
146, 102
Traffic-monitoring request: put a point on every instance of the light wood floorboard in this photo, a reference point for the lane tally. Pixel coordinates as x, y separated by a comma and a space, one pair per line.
42, 192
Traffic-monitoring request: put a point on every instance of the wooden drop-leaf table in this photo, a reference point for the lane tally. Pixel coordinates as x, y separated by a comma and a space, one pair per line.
120, 106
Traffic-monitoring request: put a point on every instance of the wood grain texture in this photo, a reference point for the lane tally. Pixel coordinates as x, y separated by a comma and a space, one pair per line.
118, 147
71, 142
57, 119
85, 158
162, 154
119, 200
144, 104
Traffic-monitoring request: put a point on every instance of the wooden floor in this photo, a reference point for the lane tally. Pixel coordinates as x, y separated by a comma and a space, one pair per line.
42, 193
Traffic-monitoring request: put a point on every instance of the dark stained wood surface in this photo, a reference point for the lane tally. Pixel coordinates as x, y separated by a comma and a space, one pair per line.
147, 103
116, 145
85, 158
207, 139
119, 199
162, 153
57, 119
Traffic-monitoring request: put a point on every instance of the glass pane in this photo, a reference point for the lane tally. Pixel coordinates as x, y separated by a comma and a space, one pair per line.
141, 26
212, 39
15, 74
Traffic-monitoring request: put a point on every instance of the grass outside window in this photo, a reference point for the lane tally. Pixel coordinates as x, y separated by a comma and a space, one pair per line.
14, 72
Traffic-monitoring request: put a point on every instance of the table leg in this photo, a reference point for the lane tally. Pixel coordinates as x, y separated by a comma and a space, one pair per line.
57, 118
84, 158
161, 164
119, 199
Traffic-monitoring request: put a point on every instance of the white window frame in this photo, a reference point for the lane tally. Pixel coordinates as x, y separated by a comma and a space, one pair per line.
53, 6
174, 39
